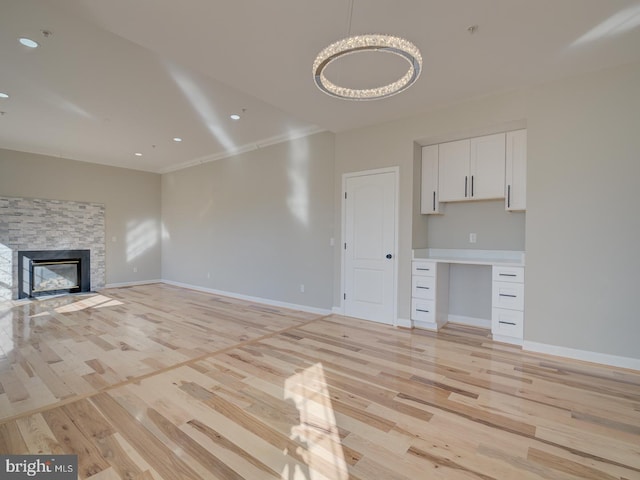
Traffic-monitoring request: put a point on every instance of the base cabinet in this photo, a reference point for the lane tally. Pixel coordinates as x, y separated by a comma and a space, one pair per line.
507, 312
429, 294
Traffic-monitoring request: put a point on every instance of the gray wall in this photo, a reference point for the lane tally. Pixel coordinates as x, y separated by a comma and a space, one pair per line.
260, 223
131, 199
256, 224
394, 144
496, 228
582, 220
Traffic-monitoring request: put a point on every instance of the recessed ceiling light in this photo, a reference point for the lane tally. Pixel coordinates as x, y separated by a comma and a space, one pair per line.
27, 42
177, 139
234, 116
3, 95
138, 154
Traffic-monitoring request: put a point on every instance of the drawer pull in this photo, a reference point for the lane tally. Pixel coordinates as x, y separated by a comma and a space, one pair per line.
507, 274
423, 288
507, 295
507, 323
421, 310
423, 269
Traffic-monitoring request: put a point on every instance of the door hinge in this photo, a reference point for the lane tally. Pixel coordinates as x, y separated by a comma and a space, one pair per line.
345, 245
344, 296
345, 195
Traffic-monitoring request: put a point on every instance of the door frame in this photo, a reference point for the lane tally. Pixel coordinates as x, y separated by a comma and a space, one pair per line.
343, 208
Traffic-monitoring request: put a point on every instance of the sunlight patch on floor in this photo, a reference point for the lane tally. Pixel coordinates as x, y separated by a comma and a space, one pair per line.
317, 430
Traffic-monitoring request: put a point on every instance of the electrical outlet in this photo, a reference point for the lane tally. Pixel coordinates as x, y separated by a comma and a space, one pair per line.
135, 269
473, 237
302, 288
208, 274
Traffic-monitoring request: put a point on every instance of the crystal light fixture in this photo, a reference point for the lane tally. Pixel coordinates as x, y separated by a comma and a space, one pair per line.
362, 43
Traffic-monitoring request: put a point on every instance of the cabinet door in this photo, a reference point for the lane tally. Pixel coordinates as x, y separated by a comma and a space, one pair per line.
487, 167
516, 171
453, 171
430, 203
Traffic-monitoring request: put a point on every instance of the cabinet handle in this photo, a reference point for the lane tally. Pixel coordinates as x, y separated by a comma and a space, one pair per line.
507, 274
423, 269
423, 288
507, 323
434, 201
507, 295
508, 196
420, 310
472, 185
465, 186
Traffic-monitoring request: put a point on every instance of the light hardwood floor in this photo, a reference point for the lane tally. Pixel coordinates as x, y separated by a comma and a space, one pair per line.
158, 382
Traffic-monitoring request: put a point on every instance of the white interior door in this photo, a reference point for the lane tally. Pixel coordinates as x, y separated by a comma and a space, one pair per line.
370, 250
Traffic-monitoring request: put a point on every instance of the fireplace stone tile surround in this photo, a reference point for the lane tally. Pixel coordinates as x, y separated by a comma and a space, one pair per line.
40, 224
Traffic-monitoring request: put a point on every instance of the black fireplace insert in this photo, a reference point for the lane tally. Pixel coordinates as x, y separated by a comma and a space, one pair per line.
48, 272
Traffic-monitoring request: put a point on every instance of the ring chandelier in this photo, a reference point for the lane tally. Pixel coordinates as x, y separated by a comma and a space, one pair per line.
363, 43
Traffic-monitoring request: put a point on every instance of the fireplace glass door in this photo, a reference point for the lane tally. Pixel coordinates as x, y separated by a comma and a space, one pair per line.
54, 275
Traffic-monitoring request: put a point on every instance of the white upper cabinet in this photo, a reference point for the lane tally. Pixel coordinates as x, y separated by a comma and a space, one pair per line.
453, 172
516, 171
487, 167
430, 202
472, 169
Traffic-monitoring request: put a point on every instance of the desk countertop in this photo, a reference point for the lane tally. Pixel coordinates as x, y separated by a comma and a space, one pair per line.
512, 258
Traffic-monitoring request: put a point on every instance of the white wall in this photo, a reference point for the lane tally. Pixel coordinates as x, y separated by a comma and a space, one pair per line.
582, 221
257, 224
131, 199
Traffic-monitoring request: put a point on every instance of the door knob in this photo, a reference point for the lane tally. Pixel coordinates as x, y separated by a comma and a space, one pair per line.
389, 255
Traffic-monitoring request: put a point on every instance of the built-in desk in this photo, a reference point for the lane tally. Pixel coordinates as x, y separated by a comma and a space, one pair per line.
430, 288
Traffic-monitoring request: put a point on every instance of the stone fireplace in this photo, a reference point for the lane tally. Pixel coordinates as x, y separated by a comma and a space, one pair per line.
42, 225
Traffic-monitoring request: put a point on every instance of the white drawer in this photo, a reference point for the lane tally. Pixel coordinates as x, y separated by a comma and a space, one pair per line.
423, 268
508, 274
423, 310
423, 287
508, 323
508, 295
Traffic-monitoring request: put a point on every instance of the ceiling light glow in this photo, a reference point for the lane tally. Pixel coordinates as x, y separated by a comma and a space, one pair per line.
3, 95
27, 42
177, 139
138, 154
234, 116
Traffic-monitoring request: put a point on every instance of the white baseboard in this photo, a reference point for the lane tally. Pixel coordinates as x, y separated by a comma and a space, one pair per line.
426, 325
471, 321
585, 355
337, 310
131, 284
265, 301
404, 323
505, 339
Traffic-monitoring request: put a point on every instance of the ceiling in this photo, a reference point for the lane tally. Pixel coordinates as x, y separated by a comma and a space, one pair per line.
121, 77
